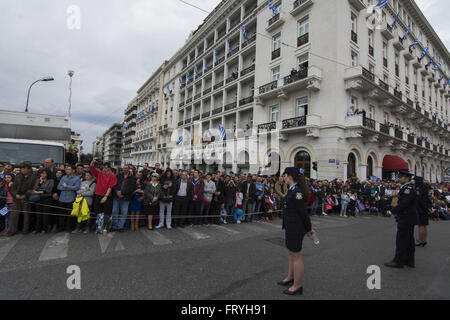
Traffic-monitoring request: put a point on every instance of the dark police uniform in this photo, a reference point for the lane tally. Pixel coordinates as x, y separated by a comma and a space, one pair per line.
296, 220
407, 217
423, 202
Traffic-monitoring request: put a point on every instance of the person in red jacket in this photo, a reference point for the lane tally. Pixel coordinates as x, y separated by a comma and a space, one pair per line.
103, 200
198, 186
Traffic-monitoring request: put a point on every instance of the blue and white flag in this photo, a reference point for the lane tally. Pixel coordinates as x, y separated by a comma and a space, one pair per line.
195, 71
180, 141
188, 76
447, 83
168, 88
416, 42
205, 66
222, 132
381, 4
441, 78
424, 53
429, 63
153, 107
215, 55
436, 66
272, 7
229, 45
396, 19
406, 34
244, 32
181, 82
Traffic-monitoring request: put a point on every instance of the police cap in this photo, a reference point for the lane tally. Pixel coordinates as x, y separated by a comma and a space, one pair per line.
291, 171
404, 173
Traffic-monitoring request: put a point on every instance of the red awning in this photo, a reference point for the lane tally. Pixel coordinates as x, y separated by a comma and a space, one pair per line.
394, 163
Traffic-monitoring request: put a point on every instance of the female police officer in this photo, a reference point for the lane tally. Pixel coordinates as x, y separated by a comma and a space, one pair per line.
296, 222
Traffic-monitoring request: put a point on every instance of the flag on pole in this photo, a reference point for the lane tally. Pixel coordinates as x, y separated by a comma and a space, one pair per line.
215, 54
222, 132
272, 7
153, 107
396, 19
244, 32
436, 66
181, 82
441, 78
229, 45
188, 76
180, 141
381, 4
416, 42
406, 34
424, 53
429, 63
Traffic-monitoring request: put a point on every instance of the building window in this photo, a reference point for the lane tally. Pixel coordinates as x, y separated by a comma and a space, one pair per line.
354, 61
386, 118
371, 68
354, 33
275, 73
302, 107
397, 63
303, 62
276, 42
274, 113
371, 112
385, 55
303, 32
371, 43
354, 103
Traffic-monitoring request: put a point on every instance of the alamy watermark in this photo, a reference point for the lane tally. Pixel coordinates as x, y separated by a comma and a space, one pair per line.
73, 17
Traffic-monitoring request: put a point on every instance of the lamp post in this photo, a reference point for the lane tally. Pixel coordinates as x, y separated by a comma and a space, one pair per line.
70, 73
29, 89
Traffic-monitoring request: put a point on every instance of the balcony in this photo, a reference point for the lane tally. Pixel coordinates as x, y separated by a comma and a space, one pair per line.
180, 123
196, 117
187, 121
248, 70
231, 79
197, 96
230, 106
217, 111
206, 91
220, 60
300, 6
387, 32
398, 94
294, 123
398, 44
233, 52
274, 22
354, 36
181, 105
267, 127
268, 87
427, 145
245, 101
398, 134
249, 11
302, 40
419, 142
384, 129
383, 85
189, 100
249, 41
358, 4
371, 51
206, 114
276, 53
408, 54
369, 123
218, 85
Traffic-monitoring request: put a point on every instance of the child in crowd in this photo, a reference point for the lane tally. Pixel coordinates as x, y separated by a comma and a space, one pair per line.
345, 200
223, 214
8, 182
3, 207
239, 216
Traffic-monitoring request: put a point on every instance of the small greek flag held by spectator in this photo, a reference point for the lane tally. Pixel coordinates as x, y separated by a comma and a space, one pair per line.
381, 4
222, 132
244, 33
272, 7
416, 42
396, 19
373, 178
429, 63
215, 54
4, 211
436, 66
188, 76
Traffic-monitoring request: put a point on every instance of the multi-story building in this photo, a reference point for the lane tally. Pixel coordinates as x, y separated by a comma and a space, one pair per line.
113, 144
98, 147
128, 132
293, 76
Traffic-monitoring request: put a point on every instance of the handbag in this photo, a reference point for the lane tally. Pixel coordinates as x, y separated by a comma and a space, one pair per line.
4, 211
34, 198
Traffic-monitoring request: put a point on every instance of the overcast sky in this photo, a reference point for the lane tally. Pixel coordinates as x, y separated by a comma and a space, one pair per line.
119, 44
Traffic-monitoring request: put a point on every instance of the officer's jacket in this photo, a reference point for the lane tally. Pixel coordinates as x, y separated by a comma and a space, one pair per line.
406, 210
295, 215
423, 201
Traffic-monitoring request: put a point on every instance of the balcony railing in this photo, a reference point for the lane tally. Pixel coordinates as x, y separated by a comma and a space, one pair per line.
220, 60
206, 91
274, 19
232, 78
385, 62
206, 114
276, 53
189, 100
427, 145
267, 126
369, 123
187, 121
245, 101
181, 104
426, 114
398, 134
232, 52
218, 85
368, 74
217, 111
294, 123
196, 117
418, 107
197, 96
248, 70
298, 3
411, 139
384, 129
300, 75
249, 11
409, 102
419, 142
249, 41
268, 87
304, 39
383, 85
230, 106
180, 123
397, 93
371, 50
354, 37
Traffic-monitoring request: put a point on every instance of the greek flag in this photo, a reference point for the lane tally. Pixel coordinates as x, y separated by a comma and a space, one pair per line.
424, 53
416, 42
436, 66
407, 32
168, 88
272, 7
188, 76
429, 63
446, 84
215, 54
396, 19
153, 107
223, 132
181, 82
229, 46
180, 141
244, 33
441, 78
134, 147
195, 71
205, 66
381, 4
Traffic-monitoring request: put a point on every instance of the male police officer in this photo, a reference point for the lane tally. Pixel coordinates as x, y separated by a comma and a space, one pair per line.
406, 215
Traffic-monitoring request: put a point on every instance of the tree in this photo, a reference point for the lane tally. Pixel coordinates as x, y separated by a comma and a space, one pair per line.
86, 158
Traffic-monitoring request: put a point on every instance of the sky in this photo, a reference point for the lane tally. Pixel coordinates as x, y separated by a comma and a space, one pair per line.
118, 45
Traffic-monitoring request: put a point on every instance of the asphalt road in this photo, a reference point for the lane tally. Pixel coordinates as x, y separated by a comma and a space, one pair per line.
223, 262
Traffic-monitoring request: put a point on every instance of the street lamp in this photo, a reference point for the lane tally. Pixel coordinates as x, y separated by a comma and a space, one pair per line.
29, 89
70, 73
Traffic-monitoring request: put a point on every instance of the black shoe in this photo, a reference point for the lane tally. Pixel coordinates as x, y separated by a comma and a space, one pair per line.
393, 264
120, 230
418, 244
424, 244
291, 293
285, 283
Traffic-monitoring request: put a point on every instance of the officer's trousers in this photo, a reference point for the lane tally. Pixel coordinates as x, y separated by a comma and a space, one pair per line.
405, 246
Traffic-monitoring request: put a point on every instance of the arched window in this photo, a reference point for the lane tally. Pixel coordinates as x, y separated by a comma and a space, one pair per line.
303, 160
351, 166
369, 167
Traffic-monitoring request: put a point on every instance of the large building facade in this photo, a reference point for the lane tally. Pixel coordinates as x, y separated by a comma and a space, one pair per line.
280, 87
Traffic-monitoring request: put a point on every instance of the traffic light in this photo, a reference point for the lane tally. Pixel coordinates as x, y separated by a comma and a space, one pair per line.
315, 165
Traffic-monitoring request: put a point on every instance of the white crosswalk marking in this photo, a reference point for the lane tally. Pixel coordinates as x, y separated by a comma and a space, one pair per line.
156, 237
197, 235
228, 230
6, 245
105, 240
55, 248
